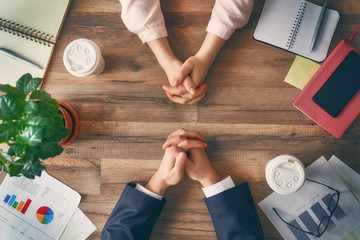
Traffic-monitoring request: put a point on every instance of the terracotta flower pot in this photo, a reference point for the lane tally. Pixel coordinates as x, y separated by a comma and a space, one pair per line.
71, 121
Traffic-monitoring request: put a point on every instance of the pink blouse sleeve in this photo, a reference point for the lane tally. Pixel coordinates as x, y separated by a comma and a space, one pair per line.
144, 18
229, 15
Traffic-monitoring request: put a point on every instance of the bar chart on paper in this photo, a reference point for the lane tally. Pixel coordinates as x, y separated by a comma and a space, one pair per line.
37, 208
19, 206
314, 204
309, 219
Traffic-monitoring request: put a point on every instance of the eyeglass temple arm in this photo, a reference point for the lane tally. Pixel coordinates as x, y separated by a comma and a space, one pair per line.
323, 185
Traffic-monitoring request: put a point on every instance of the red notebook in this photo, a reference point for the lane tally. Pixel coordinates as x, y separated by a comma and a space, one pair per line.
336, 124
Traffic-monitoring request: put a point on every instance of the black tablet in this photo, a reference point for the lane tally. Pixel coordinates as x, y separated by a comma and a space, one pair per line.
342, 85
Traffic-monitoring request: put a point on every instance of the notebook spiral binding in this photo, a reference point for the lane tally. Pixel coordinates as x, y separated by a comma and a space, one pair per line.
25, 32
296, 26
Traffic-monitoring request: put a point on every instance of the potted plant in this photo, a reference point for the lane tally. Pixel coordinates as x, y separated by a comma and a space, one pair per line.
33, 126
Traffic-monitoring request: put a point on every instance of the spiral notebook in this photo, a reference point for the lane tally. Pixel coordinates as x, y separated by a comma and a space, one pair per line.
29, 28
290, 25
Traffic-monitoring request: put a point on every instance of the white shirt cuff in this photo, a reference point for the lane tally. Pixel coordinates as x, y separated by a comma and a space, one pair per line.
225, 184
153, 33
148, 192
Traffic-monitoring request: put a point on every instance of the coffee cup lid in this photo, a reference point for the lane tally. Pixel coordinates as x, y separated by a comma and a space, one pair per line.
285, 174
81, 57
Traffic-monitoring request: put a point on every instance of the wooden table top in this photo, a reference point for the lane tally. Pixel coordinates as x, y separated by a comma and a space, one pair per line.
247, 117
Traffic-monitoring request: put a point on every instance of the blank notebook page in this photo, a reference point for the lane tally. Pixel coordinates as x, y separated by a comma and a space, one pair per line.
43, 15
306, 31
279, 17
276, 21
12, 69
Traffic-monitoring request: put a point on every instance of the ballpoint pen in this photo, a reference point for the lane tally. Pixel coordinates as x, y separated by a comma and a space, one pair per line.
318, 26
13, 55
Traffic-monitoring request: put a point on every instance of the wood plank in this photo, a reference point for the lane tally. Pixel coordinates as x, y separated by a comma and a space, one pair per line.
124, 139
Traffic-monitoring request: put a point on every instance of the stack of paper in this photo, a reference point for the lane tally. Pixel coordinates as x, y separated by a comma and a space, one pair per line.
43, 208
308, 206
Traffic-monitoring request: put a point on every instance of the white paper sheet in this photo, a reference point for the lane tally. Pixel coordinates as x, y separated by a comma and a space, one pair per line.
79, 228
35, 209
349, 177
303, 206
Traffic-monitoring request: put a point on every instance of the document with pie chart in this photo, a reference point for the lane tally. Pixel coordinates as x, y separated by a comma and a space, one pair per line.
39, 208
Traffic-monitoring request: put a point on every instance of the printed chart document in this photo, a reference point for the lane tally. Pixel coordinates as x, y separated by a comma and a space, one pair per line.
308, 206
35, 209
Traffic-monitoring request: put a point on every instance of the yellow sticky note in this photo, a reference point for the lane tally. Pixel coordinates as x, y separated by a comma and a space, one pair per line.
301, 71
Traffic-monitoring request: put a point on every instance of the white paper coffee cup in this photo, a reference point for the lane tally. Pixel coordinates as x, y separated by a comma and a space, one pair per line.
82, 57
285, 174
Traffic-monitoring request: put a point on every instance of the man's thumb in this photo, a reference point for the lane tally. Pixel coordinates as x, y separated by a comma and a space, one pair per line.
180, 161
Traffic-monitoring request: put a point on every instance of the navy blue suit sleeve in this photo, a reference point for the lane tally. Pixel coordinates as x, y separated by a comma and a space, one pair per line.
133, 217
234, 214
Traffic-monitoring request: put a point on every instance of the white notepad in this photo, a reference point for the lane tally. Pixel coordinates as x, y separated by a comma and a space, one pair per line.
290, 25
29, 28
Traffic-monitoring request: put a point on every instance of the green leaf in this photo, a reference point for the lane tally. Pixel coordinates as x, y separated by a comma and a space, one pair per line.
40, 95
31, 135
38, 121
33, 170
32, 166
20, 84
49, 150
33, 84
6, 167
6, 88
12, 148
55, 134
15, 168
11, 107
26, 84
54, 102
30, 107
4, 157
46, 109
5, 160
17, 149
63, 132
20, 150
58, 119
8, 130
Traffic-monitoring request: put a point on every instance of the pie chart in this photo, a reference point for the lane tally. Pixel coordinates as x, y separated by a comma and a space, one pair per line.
44, 215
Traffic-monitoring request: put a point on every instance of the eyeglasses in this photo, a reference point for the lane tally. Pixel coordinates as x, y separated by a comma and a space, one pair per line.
325, 221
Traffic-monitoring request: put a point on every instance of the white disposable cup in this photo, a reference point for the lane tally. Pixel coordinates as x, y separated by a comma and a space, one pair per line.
82, 57
285, 174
